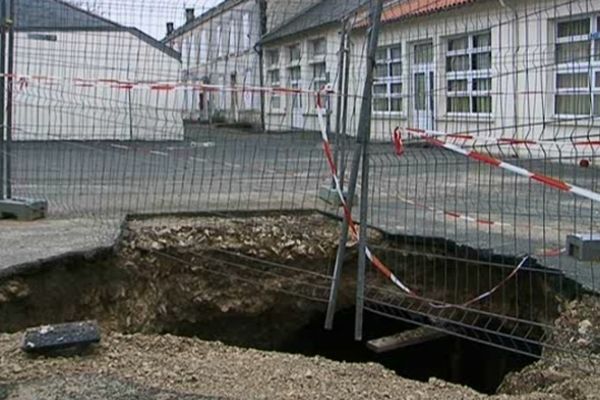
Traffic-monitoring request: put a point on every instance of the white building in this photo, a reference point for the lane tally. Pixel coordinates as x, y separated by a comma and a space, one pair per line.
86, 64
219, 48
522, 70
304, 54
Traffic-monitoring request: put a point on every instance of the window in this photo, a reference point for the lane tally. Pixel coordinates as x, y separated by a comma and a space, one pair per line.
218, 41
295, 54
187, 51
387, 86
233, 38
274, 76
577, 56
272, 58
469, 74
318, 48
274, 79
319, 75
246, 33
203, 47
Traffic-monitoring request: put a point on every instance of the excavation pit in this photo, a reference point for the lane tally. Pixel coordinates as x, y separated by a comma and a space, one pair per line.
254, 282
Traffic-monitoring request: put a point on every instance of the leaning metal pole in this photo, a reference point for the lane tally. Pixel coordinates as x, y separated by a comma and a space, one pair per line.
363, 136
340, 88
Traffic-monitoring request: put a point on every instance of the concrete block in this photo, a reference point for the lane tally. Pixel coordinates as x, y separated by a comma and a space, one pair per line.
584, 247
330, 196
52, 338
23, 209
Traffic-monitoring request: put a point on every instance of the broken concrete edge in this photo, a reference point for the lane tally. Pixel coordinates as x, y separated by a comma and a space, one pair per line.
35, 266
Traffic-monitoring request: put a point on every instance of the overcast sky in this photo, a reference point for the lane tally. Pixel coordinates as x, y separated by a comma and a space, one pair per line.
150, 16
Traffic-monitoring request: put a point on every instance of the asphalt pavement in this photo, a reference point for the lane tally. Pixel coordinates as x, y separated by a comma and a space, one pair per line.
427, 192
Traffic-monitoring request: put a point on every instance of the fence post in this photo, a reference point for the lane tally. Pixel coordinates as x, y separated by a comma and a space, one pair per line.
363, 136
2, 92
9, 98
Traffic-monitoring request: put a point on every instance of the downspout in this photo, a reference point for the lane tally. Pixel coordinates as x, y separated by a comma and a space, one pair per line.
515, 52
258, 48
2, 92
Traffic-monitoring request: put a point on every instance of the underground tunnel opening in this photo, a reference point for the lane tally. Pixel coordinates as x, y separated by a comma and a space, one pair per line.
163, 289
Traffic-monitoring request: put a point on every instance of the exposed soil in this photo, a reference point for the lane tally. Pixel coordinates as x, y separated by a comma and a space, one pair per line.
248, 283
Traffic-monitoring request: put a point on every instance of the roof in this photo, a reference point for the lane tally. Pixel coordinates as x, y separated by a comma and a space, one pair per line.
57, 15
49, 14
210, 13
396, 10
320, 15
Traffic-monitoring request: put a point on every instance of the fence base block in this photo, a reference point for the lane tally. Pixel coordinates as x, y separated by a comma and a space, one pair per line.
330, 196
23, 209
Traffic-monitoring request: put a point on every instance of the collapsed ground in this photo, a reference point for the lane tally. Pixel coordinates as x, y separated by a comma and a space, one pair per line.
212, 278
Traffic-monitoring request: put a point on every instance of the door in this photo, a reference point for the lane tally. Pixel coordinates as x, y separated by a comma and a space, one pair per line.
423, 86
296, 106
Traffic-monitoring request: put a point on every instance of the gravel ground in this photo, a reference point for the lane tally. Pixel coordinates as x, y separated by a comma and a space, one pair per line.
128, 367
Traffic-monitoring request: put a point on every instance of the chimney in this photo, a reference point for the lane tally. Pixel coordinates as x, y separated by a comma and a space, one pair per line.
170, 28
189, 15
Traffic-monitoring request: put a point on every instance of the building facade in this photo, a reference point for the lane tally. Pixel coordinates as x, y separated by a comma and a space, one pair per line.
305, 54
518, 70
77, 55
219, 48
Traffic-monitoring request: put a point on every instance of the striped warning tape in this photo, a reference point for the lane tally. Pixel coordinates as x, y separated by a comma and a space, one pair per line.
375, 261
25, 81
543, 179
506, 141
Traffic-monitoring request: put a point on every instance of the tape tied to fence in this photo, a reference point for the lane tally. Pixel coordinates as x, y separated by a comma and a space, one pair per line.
375, 261
497, 163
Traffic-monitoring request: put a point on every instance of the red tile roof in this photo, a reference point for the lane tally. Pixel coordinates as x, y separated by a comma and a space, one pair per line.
395, 10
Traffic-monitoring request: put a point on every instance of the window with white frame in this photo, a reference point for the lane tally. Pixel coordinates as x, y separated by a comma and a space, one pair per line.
577, 57
219, 40
318, 48
294, 54
387, 85
319, 75
469, 74
274, 76
233, 38
203, 47
246, 32
187, 51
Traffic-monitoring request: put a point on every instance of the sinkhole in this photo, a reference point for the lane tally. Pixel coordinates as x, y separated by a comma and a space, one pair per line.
177, 280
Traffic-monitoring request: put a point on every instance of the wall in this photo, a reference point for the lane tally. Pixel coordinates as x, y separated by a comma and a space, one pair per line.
522, 74
63, 109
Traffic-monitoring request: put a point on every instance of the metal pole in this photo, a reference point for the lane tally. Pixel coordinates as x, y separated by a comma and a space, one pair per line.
338, 107
9, 98
363, 135
2, 93
262, 12
342, 163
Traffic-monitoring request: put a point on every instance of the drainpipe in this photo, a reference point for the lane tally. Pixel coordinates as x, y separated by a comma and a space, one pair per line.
9, 98
2, 93
262, 11
515, 52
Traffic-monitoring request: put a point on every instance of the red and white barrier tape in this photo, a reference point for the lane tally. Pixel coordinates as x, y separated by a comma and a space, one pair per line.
376, 262
110, 83
543, 179
507, 141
